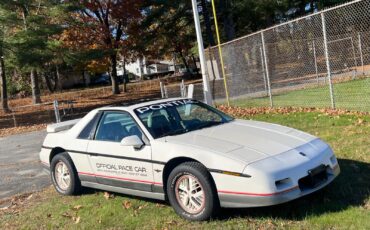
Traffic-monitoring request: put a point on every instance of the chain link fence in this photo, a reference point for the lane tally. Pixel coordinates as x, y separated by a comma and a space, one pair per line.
182, 90
321, 60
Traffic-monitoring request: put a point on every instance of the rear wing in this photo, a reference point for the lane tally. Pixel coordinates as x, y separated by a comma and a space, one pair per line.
62, 126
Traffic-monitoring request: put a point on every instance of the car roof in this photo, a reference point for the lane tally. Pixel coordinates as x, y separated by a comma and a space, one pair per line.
137, 104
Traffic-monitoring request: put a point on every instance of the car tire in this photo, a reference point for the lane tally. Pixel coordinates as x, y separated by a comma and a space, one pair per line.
64, 175
200, 201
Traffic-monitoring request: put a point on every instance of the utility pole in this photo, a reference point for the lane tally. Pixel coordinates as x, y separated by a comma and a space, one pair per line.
202, 57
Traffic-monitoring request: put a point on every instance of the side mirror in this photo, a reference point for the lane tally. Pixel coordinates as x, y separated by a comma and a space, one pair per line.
133, 141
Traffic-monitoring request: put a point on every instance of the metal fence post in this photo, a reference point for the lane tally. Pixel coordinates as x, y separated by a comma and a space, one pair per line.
354, 56
263, 70
191, 91
56, 110
165, 92
327, 60
315, 59
360, 49
182, 89
162, 89
266, 68
14, 120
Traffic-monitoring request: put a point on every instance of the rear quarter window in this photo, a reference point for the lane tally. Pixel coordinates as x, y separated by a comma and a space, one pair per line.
88, 132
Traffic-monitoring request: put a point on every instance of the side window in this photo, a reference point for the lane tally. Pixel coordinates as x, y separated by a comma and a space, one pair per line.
88, 132
114, 126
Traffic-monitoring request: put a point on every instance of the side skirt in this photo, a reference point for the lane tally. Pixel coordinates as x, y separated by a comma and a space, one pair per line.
151, 195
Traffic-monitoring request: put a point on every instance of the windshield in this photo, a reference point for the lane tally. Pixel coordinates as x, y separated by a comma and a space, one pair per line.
179, 116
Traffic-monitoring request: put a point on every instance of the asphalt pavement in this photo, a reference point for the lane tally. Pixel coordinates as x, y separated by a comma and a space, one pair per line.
20, 168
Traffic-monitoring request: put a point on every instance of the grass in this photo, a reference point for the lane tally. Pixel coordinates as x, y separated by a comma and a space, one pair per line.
344, 204
351, 95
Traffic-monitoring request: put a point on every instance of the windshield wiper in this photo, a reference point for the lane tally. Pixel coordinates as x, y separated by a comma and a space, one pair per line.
177, 132
209, 124
174, 132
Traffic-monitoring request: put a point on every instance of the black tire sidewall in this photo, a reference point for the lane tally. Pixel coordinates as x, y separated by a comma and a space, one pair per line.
203, 177
75, 183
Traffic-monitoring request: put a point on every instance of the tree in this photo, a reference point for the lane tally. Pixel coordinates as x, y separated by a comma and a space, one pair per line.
104, 25
6, 24
33, 27
4, 95
241, 17
227, 16
207, 22
169, 29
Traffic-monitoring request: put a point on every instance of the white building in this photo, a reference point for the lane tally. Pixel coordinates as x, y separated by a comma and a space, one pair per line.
142, 67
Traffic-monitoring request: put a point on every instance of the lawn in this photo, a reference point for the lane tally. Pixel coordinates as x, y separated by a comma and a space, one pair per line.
351, 95
344, 204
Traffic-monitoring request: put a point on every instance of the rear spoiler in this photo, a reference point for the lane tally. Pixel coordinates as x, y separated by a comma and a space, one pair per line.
58, 127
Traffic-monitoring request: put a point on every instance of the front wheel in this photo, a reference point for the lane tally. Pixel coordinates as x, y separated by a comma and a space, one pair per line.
191, 192
64, 175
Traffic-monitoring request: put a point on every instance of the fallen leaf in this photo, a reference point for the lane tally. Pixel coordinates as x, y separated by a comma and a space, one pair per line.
66, 214
171, 222
76, 219
77, 207
126, 204
106, 195
159, 205
135, 213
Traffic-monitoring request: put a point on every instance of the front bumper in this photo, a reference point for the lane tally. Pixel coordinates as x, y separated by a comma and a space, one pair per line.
243, 200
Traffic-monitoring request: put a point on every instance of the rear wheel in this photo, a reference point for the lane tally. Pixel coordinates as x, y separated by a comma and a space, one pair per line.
191, 192
64, 175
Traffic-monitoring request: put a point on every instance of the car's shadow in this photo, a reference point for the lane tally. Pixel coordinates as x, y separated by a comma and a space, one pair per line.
349, 189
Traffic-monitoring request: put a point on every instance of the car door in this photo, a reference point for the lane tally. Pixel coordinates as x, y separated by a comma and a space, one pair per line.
117, 165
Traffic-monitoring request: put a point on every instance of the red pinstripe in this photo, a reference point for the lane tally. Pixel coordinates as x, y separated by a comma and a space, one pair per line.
119, 178
257, 194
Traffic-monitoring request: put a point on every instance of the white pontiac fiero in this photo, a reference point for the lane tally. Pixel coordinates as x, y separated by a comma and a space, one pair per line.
190, 153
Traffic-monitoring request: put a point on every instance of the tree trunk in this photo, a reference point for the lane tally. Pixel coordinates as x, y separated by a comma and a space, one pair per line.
185, 62
125, 79
48, 83
302, 8
4, 94
83, 77
207, 22
228, 21
36, 99
174, 62
115, 85
57, 85
312, 6
195, 64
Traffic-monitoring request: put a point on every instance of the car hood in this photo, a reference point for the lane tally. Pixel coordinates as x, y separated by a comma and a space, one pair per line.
245, 140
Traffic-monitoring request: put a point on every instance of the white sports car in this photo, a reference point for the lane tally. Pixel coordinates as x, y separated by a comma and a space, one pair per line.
190, 153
